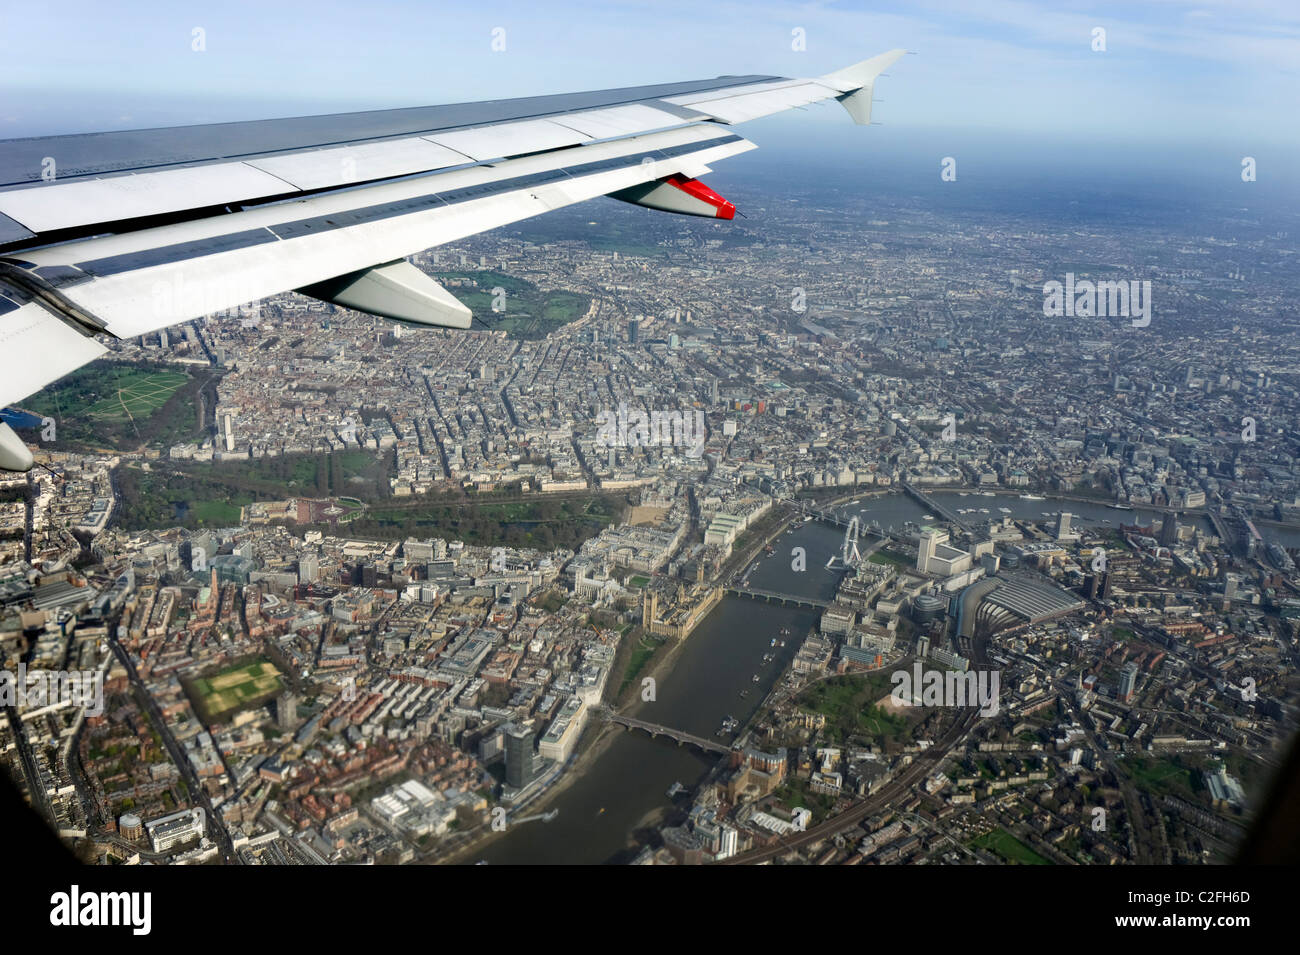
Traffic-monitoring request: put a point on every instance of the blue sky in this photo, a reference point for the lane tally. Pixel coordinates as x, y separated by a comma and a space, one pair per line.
1222, 74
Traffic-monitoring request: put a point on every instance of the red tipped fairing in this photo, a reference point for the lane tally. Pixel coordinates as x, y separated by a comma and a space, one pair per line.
693, 187
676, 193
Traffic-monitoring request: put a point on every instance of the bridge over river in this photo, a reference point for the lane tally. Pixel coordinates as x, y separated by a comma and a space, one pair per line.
773, 596
947, 513
655, 730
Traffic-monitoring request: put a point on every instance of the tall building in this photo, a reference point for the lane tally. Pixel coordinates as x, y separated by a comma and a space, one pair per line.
1063, 525
521, 761
1169, 531
925, 549
228, 430
634, 331
1128, 681
935, 556
286, 711
308, 569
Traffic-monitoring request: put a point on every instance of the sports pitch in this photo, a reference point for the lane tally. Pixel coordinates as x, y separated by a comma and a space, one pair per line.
236, 688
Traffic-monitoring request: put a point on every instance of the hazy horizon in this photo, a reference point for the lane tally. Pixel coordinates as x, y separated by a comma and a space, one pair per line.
1172, 72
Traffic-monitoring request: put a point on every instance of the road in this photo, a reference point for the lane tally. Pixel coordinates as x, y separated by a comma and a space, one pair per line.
34, 785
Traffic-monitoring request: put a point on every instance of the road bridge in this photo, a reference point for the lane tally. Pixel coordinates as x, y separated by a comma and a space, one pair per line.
934, 506
773, 596
656, 730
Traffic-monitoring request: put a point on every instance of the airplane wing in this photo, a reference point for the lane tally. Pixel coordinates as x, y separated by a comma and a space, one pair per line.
113, 235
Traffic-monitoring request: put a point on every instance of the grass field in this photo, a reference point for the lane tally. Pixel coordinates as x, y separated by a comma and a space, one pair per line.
1164, 775
110, 403
641, 655
527, 311
235, 689
139, 394
1010, 848
215, 513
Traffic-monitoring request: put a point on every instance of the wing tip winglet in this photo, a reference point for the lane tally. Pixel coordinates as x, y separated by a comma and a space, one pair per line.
855, 83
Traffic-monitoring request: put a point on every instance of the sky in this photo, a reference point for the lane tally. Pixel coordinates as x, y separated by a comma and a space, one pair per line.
1209, 78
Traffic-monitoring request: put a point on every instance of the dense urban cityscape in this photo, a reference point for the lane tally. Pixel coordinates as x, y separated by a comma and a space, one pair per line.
349, 592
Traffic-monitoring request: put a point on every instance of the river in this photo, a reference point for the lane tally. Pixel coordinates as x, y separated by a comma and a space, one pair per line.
623, 793
626, 787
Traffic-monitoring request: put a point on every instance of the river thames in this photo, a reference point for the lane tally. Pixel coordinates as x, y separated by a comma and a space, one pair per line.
606, 812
